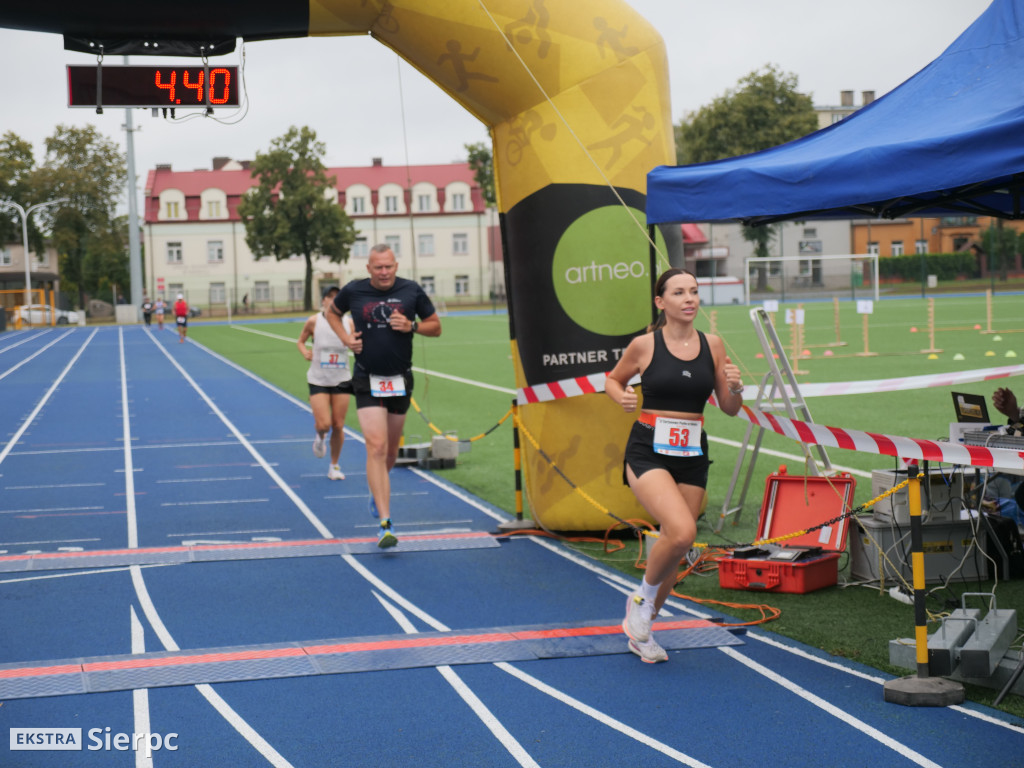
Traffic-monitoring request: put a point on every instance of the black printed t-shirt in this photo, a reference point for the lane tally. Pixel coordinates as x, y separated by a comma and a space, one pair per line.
386, 352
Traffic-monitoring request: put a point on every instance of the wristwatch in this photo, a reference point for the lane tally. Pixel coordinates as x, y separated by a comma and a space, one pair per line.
415, 325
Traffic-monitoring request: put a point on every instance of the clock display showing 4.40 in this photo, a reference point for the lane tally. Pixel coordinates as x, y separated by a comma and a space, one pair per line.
153, 86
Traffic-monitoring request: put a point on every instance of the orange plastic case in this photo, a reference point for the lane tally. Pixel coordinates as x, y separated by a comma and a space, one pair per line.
793, 503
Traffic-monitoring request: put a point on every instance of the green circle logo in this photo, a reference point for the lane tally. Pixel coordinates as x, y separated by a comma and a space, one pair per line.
601, 271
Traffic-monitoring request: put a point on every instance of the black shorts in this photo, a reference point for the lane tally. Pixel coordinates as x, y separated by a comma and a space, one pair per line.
398, 405
181, 320
641, 457
344, 388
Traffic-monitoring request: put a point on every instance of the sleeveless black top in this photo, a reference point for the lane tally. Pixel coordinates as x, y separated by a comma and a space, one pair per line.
671, 384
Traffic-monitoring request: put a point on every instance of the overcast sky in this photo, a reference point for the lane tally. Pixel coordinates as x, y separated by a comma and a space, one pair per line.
353, 91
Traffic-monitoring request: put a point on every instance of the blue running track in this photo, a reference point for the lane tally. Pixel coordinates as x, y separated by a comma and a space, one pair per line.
173, 560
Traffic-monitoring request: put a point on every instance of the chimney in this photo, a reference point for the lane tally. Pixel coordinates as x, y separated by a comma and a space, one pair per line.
846, 98
163, 166
866, 97
378, 162
220, 162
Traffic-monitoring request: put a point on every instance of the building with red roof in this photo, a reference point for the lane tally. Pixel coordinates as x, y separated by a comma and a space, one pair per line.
433, 217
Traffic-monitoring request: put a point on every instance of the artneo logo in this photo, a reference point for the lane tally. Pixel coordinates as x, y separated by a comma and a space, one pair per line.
62, 739
600, 271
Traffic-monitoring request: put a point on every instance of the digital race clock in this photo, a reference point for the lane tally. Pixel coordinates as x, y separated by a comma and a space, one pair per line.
153, 86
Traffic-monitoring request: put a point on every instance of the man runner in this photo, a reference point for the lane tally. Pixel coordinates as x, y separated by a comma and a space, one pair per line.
384, 307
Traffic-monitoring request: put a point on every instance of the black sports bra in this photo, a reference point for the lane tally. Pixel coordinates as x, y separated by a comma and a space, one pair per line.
671, 384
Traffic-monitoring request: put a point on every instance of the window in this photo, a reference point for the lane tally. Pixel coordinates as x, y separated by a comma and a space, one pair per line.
423, 203
459, 201
897, 247
920, 246
173, 289
213, 209
215, 251
426, 245
462, 285
359, 204
810, 232
174, 253
873, 248
360, 248
394, 242
427, 284
218, 294
261, 291
5, 258
295, 290
391, 204
172, 209
43, 259
460, 244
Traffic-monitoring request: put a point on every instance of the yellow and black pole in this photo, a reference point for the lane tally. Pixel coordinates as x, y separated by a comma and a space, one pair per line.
517, 459
921, 690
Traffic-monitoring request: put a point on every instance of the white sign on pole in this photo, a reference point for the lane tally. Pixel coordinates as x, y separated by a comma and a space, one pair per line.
771, 305
865, 306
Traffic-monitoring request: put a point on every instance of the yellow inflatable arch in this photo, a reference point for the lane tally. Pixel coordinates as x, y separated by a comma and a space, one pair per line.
575, 95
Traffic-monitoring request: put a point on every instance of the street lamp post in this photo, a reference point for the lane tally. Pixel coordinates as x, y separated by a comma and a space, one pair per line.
24, 236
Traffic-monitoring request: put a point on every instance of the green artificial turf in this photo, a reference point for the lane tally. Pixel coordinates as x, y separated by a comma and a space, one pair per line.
897, 341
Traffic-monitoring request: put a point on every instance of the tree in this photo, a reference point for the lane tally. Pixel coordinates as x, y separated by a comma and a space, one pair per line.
482, 163
289, 213
89, 170
17, 164
1000, 245
765, 110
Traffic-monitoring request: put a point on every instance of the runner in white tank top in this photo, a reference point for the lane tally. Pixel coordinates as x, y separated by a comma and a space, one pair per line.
330, 382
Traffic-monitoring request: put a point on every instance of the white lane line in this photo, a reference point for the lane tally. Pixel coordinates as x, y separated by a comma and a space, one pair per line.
9, 347
129, 471
47, 541
45, 510
560, 696
191, 480
844, 717
425, 371
228, 533
49, 393
211, 502
140, 696
51, 485
223, 708
768, 640
610, 722
88, 572
38, 352
501, 733
322, 529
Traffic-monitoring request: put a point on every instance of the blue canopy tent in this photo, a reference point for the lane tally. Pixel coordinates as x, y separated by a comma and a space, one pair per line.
948, 141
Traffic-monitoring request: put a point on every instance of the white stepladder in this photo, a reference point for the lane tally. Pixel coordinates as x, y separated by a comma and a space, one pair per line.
778, 392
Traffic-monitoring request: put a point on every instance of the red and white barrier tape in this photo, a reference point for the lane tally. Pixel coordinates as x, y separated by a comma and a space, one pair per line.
886, 445
557, 390
583, 385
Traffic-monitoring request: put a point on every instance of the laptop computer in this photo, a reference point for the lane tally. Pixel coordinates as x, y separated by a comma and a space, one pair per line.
970, 409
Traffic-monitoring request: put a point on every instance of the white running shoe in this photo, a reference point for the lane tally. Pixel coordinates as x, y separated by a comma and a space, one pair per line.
335, 473
649, 652
319, 446
637, 624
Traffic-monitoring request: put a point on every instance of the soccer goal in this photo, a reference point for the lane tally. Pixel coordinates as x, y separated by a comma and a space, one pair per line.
795, 278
